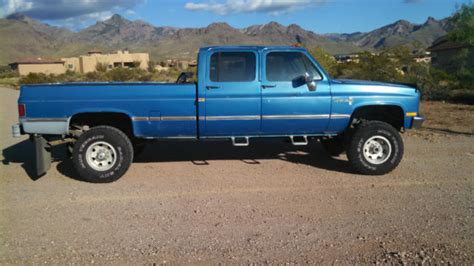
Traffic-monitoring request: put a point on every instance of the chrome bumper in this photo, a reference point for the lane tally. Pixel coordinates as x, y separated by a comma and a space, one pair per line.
417, 122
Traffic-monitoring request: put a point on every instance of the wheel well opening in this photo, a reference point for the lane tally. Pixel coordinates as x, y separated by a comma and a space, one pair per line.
120, 121
390, 114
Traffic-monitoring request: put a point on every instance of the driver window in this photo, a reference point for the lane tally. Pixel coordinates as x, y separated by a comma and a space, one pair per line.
288, 66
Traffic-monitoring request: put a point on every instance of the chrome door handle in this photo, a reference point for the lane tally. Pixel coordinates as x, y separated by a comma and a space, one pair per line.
267, 86
212, 87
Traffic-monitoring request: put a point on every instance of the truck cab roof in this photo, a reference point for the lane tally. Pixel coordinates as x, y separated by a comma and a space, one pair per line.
250, 47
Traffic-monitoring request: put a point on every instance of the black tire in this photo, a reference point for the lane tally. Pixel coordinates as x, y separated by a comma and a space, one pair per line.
379, 133
69, 150
115, 142
334, 146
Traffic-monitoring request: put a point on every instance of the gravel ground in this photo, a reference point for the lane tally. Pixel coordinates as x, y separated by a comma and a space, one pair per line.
268, 203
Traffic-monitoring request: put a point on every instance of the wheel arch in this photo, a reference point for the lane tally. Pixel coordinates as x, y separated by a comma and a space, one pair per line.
393, 114
114, 118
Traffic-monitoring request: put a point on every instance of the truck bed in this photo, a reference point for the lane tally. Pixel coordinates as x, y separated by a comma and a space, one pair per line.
153, 107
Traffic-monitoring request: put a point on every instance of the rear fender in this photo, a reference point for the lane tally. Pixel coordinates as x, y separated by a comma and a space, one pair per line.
103, 110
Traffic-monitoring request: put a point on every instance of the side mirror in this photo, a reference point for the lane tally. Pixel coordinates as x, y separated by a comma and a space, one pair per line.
310, 82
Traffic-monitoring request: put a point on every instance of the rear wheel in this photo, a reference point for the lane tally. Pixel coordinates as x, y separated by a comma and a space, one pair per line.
102, 154
376, 148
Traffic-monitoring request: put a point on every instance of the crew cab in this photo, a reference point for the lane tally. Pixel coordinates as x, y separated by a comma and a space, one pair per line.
241, 93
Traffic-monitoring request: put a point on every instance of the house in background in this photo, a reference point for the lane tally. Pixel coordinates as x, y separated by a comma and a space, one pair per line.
82, 64
444, 54
422, 57
38, 65
123, 58
347, 58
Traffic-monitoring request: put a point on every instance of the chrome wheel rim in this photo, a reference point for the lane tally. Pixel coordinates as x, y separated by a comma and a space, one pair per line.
377, 150
101, 156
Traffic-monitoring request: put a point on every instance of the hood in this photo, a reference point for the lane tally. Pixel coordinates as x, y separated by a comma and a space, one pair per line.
374, 83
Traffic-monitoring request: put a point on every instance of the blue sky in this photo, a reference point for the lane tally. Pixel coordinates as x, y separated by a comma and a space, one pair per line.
321, 16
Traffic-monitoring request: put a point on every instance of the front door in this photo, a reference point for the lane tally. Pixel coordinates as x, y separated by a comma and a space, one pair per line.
233, 98
288, 106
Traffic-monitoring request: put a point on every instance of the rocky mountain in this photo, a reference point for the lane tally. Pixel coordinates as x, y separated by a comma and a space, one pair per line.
118, 30
25, 37
401, 32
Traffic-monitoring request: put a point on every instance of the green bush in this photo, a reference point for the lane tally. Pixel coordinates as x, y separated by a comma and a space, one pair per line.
7, 72
398, 65
101, 67
37, 78
465, 96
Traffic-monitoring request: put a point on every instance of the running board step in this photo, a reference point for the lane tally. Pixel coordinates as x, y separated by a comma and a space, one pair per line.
240, 141
299, 140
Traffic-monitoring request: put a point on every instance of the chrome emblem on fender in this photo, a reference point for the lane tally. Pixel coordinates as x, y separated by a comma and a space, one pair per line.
348, 100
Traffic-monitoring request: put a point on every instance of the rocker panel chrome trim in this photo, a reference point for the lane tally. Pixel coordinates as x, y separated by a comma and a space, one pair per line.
319, 116
163, 118
230, 118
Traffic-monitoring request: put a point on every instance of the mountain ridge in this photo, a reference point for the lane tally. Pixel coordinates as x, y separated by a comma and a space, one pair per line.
401, 32
28, 37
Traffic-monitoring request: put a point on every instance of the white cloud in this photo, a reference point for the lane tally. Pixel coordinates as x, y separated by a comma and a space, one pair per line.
241, 6
64, 9
9, 7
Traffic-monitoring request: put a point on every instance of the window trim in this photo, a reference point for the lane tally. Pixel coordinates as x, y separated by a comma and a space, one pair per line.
305, 53
257, 65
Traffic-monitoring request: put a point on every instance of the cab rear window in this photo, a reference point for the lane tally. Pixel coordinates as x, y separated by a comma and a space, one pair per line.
233, 67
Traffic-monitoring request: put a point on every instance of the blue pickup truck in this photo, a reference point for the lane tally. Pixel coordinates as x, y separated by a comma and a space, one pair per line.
241, 93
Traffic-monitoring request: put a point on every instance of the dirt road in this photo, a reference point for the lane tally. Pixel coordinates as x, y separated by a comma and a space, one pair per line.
271, 202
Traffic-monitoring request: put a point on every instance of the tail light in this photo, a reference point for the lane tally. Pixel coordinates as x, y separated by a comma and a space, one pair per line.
21, 110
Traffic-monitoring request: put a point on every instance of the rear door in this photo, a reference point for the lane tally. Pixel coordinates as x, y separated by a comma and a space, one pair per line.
288, 106
232, 89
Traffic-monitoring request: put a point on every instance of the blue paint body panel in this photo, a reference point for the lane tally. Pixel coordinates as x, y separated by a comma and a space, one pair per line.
160, 110
136, 100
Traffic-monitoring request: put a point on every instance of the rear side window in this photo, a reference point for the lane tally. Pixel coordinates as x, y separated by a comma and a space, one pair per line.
288, 66
233, 67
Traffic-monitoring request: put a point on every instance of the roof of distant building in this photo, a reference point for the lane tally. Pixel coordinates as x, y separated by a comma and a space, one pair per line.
95, 51
38, 60
443, 43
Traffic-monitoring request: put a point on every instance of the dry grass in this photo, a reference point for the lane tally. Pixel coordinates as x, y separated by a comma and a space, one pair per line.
9, 82
448, 118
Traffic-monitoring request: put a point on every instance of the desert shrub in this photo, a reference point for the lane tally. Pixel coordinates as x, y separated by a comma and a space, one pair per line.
94, 76
10, 82
137, 63
465, 96
327, 61
101, 67
37, 78
69, 76
7, 72
151, 66
127, 74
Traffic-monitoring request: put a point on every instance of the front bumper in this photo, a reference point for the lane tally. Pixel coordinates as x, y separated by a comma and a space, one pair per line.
417, 122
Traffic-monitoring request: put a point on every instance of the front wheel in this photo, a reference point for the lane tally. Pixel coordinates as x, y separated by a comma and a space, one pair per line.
376, 148
102, 154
